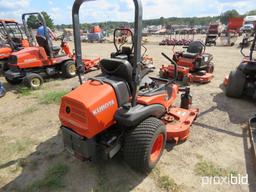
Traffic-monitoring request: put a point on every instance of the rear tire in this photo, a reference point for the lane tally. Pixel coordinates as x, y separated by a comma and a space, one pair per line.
144, 145
14, 81
236, 83
68, 69
33, 81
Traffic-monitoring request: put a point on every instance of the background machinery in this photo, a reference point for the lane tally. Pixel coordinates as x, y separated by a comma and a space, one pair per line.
12, 39
242, 81
194, 65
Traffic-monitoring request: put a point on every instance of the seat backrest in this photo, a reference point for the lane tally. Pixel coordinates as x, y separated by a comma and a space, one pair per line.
126, 50
195, 47
42, 42
118, 68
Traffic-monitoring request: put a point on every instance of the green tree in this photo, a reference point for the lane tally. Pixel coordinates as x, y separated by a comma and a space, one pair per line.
162, 21
34, 22
48, 20
252, 12
228, 14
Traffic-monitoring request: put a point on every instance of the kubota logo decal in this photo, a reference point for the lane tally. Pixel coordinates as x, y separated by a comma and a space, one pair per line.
30, 60
103, 107
4, 55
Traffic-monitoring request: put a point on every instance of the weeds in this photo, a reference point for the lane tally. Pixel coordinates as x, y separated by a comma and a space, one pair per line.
24, 91
29, 110
52, 180
207, 168
165, 182
12, 148
52, 97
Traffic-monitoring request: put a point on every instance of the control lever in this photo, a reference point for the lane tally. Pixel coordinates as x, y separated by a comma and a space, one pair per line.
175, 65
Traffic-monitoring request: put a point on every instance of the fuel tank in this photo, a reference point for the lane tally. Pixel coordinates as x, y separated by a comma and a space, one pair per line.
89, 109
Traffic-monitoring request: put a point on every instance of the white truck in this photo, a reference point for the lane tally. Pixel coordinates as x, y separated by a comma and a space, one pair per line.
248, 23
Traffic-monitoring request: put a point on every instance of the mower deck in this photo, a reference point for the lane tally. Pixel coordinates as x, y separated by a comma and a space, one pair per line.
168, 72
252, 135
91, 63
178, 122
206, 78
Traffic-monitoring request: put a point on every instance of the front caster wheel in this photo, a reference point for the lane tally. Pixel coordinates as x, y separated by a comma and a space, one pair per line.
33, 81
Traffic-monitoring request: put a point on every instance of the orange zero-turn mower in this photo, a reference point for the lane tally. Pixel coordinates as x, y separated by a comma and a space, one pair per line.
194, 65
242, 81
120, 110
13, 40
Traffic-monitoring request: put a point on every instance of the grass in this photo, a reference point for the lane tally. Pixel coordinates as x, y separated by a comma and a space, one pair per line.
24, 91
168, 184
208, 168
165, 182
29, 110
12, 148
52, 97
51, 181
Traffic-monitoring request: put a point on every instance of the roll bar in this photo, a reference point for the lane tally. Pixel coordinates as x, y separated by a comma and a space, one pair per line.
122, 29
41, 17
253, 46
5, 32
136, 76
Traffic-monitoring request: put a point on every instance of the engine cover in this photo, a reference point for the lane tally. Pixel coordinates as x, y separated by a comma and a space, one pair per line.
5, 52
89, 109
30, 57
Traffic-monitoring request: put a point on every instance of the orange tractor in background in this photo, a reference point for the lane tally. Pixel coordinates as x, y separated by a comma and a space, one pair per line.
123, 110
194, 65
31, 64
12, 39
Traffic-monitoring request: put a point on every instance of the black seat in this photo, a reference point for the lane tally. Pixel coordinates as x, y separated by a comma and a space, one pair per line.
194, 49
190, 55
126, 50
118, 68
123, 54
42, 42
56, 48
